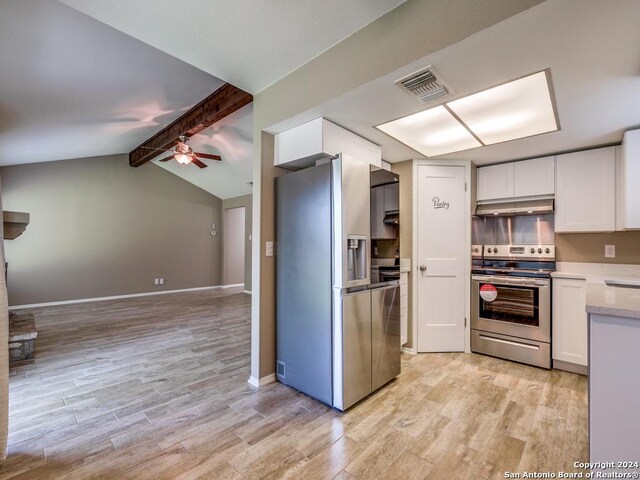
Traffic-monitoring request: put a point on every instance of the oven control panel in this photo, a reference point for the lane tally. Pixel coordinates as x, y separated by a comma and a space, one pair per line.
537, 252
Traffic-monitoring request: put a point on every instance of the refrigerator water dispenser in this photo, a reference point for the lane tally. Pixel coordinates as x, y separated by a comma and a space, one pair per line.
356, 257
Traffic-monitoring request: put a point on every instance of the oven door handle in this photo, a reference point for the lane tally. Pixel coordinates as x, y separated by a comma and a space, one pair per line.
509, 342
511, 281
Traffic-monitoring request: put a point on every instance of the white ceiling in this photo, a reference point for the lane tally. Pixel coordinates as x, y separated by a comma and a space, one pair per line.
232, 139
593, 51
248, 43
72, 87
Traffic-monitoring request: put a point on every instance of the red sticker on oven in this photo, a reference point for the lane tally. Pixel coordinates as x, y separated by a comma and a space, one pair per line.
488, 292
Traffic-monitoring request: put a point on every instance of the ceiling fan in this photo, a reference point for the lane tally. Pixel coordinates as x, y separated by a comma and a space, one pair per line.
184, 154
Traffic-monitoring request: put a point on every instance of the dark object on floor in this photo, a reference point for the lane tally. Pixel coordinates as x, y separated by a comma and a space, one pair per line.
22, 336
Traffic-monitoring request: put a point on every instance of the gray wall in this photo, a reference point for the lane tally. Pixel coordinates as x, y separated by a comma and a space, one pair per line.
100, 228
244, 201
589, 247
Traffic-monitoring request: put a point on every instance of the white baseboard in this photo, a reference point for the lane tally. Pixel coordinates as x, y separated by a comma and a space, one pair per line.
410, 351
571, 367
247, 292
263, 381
117, 297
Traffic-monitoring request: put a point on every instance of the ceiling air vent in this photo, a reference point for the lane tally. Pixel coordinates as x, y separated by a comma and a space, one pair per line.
423, 84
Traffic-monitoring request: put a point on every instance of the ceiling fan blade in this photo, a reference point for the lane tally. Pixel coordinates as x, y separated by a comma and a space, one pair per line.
167, 159
198, 163
209, 156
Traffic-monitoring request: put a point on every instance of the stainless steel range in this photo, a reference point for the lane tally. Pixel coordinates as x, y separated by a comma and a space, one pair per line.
511, 303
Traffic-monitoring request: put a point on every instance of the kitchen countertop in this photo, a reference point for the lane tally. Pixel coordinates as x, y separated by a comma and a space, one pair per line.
617, 301
596, 272
569, 275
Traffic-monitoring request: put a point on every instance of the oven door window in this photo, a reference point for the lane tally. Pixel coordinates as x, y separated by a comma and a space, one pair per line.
512, 304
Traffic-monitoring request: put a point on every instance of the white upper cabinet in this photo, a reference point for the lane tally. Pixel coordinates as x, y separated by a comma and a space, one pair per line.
495, 182
535, 177
303, 145
570, 320
628, 182
530, 178
585, 191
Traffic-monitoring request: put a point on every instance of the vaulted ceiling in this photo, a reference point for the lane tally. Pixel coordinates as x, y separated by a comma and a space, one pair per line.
72, 87
82, 79
250, 44
232, 139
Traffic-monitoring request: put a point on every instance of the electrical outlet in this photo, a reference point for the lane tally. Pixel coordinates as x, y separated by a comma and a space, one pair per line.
156, 281
610, 251
162, 281
269, 249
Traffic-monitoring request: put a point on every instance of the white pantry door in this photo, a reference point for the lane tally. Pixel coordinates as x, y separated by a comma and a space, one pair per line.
441, 258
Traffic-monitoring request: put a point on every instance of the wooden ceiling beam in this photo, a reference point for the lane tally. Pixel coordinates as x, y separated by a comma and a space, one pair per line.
221, 103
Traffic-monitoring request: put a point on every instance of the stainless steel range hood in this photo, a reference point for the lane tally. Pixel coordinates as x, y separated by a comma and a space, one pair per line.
524, 207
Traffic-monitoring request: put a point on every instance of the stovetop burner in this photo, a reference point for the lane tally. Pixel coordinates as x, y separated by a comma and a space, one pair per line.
515, 260
513, 272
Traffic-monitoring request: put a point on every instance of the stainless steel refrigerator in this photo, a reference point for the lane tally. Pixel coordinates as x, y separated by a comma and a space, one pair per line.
337, 336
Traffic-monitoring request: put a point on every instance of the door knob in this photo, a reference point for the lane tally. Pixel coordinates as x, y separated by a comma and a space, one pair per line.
423, 268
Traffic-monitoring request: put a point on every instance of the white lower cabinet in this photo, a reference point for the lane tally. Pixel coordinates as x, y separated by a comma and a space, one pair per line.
570, 320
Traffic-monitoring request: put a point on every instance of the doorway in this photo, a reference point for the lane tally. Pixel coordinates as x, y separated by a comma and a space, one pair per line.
233, 246
441, 236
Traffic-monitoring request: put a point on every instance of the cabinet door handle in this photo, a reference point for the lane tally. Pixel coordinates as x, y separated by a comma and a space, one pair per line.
423, 268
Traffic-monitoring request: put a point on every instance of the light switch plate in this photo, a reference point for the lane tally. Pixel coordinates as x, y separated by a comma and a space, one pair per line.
610, 251
269, 249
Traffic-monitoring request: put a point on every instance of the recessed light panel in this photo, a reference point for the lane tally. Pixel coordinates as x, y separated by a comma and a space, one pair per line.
431, 132
517, 109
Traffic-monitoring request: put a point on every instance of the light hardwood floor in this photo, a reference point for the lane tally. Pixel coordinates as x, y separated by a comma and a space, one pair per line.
156, 387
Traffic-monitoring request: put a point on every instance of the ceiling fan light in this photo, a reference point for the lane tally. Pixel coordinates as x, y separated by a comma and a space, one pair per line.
183, 158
